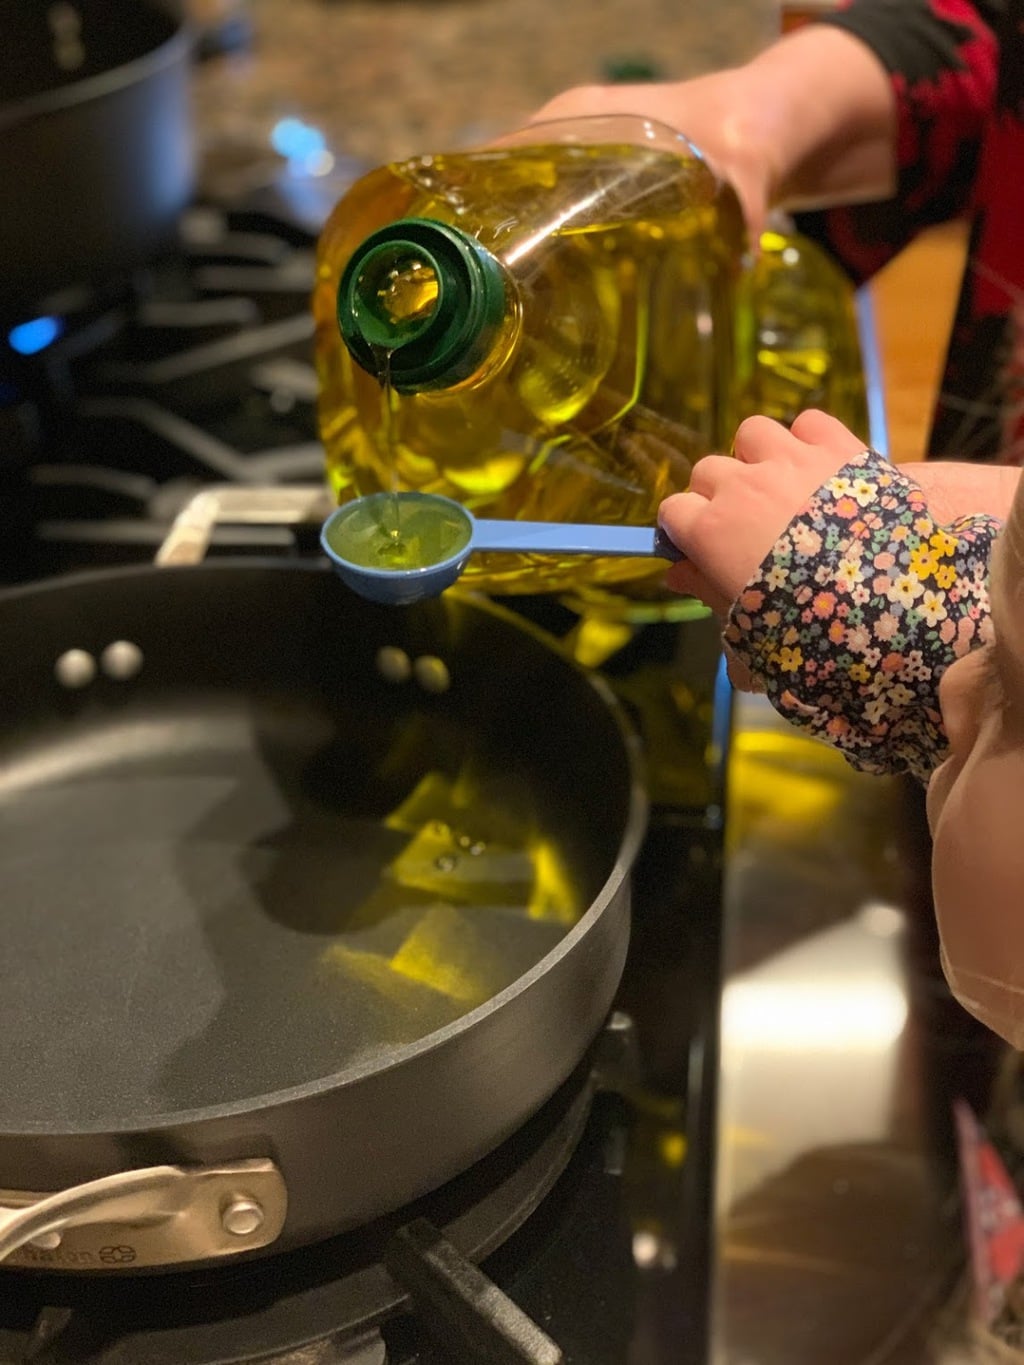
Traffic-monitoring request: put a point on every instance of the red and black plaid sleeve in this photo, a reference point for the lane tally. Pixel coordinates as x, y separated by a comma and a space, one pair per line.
944, 59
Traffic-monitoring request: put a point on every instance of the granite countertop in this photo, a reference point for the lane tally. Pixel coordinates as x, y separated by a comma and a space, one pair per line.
385, 79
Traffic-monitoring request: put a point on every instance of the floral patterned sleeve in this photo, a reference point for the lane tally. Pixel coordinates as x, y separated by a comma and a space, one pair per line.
861, 605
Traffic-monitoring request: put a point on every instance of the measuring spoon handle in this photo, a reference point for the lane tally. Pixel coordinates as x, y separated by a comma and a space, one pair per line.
569, 538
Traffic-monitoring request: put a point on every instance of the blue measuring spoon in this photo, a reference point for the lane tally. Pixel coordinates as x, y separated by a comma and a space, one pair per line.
361, 535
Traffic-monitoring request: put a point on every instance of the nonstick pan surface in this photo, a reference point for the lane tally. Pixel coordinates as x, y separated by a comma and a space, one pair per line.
272, 892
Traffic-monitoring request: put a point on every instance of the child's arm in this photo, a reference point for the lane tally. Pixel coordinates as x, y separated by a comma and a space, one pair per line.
862, 604
845, 598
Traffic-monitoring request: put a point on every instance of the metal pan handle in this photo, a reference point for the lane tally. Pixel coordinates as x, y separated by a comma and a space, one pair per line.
159, 1215
293, 505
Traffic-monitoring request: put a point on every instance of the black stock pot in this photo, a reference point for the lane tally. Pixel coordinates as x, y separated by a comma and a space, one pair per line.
96, 142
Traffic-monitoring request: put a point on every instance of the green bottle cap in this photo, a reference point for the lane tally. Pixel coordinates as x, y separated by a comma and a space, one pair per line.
428, 294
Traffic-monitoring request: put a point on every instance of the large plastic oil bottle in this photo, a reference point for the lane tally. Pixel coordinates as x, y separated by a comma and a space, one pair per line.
558, 328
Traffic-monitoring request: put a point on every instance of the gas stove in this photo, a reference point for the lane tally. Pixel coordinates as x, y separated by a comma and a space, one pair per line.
172, 415
754, 1164
117, 405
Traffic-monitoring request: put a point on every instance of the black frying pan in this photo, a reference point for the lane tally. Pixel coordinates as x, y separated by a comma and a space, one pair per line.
262, 919
96, 152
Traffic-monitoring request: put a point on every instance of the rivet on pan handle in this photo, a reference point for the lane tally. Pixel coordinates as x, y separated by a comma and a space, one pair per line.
156, 1216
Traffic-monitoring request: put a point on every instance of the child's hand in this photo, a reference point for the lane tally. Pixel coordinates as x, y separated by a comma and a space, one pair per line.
737, 507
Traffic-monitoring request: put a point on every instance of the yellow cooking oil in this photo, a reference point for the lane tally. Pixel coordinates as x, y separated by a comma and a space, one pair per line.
399, 533
802, 321
559, 330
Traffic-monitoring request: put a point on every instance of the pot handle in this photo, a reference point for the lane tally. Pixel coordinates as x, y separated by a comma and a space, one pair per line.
163, 1215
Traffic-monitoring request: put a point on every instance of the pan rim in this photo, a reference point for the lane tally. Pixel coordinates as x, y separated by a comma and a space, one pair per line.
633, 831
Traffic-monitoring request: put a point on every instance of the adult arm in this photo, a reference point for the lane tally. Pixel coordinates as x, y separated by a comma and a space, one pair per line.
811, 117
957, 489
941, 59
881, 106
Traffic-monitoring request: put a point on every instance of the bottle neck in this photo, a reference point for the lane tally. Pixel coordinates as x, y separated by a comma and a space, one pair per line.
424, 301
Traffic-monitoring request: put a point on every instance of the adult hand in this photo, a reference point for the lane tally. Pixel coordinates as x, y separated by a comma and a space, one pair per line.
715, 112
810, 120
